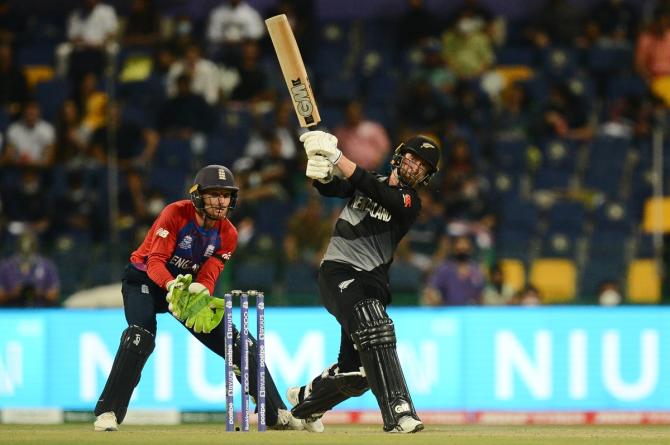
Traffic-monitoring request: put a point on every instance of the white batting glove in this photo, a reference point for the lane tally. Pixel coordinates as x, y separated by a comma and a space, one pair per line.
321, 143
319, 168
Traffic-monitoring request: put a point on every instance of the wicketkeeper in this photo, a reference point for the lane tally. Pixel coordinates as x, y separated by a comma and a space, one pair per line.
175, 269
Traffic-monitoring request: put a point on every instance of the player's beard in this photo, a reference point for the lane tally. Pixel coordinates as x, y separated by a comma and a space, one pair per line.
216, 212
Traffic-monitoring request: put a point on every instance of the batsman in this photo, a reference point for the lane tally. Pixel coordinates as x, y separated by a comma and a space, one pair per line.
353, 277
175, 269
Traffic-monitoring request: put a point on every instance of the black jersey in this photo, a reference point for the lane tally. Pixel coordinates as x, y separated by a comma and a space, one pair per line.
373, 222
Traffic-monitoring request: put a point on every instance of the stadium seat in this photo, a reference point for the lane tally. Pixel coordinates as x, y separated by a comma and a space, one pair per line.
657, 215
644, 282
51, 95
514, 273
258, 274
300, 285
556, 280
596, 272
405, 277
558, 244
513, 243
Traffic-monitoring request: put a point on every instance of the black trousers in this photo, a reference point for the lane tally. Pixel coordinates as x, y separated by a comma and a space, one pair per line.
143, 299
341, 287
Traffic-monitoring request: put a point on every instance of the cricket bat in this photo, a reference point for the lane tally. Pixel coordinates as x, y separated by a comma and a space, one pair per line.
293, 69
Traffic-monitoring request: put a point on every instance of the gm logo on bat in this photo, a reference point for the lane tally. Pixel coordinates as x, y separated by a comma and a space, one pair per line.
302, 100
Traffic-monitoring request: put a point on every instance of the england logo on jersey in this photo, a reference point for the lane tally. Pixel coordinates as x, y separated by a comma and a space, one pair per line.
186, 242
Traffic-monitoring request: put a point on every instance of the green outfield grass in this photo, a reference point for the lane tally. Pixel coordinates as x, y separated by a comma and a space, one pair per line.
339, 434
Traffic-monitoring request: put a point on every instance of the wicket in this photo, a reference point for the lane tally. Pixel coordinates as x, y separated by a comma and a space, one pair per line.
244, 357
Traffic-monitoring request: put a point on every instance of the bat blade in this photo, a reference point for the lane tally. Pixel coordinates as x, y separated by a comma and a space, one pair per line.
293, 69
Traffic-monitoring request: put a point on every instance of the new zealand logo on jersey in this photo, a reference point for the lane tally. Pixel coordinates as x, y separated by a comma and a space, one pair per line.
186, 242
368, 205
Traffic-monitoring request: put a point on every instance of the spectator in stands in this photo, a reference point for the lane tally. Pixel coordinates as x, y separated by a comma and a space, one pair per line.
614, 23
13, 85
564, 116
528, 296
30, 141
652, 56
421, 110
142, 25
283, 127
91, 30
28, 279
363, 141
416, 25
609, 293
12, 22
203, 73
308, 232
426, 240
435, 70
27, 204
511, 115
186, 113
92, 102
78, 215
135, 149
72, 137
559, 23
252, 83
230, 24
458, 281
467, 48
497, 292
302, 17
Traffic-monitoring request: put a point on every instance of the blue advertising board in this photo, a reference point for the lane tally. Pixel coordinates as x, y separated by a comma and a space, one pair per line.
560, 358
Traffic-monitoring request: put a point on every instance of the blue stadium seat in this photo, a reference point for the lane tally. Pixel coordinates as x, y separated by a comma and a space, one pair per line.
405, 278
510, 155
512, 242
604, 59
567, 217
173, 153
300, 278
559, 63
172, 182
519, 215
558, 243
598, 271
51, 95
36, 54
515, 55
626, 85
551, 179
254, 274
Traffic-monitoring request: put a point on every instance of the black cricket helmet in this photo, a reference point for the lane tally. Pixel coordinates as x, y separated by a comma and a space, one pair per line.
213, 177
423, 147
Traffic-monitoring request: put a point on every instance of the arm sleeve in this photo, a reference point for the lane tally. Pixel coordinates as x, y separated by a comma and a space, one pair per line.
338, 187
163, 246
402, 203
212, 268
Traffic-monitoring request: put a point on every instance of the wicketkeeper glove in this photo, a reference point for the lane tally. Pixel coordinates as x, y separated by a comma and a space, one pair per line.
321, 143
186, 298
319, 168
208, 317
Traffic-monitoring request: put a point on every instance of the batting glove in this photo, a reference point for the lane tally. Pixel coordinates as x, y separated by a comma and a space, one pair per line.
319, 168
321, 143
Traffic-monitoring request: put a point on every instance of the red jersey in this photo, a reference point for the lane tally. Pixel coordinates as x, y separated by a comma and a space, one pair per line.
176, 244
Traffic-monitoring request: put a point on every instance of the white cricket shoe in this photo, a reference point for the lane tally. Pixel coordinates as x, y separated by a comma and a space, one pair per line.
286, 421
106, 422
311, 424
407, 424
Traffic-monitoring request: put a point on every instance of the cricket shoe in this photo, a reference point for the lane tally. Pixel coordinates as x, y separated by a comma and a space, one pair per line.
286, 421
106, 422
406, 425
312, 424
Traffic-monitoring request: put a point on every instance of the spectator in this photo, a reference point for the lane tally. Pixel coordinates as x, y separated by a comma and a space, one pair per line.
416, 25
614, 23
467, 49
421, 110
497, 292
363, 141
92, 102
652, 56
426, 240
28, 279
511, 115
528, 296
142, 26
283, 127
13, 85
435, 70
30, 141
26, 204
78, 214
559, 23
564, 116
203, 73
186, 113
91, 31
135, 148
72, 138
230, 24
308, 232
609, 293
456, 282
252, 83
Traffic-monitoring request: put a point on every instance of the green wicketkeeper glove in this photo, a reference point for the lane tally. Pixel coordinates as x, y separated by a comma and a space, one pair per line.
208, 317
186, 298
